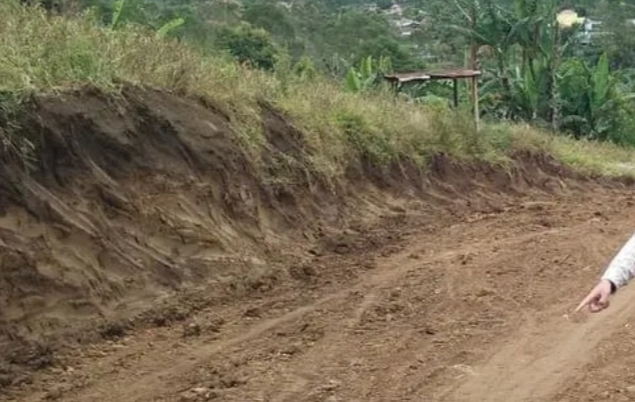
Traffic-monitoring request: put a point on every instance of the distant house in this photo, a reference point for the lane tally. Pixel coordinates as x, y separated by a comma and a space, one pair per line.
372, 7
406, 26
286, 5
396, 9
590, 28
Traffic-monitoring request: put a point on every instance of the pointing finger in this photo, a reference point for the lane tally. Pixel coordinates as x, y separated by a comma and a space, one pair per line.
584, 303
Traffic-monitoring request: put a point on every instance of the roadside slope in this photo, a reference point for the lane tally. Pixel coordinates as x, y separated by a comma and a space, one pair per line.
140, 210
473, 308
269, 236
129, 199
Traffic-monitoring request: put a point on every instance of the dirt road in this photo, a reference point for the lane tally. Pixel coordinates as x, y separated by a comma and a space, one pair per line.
478, 310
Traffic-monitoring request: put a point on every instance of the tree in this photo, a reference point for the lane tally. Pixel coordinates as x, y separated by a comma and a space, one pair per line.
270, 16
384, 4
249, 45
356, 34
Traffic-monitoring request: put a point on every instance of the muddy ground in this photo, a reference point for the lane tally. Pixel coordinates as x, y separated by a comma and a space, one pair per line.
143, 259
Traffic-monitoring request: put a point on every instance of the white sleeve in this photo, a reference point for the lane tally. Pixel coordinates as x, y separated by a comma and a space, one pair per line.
622, 268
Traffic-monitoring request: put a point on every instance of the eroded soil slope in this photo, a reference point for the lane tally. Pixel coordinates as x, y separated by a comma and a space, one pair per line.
129, 200
144, 259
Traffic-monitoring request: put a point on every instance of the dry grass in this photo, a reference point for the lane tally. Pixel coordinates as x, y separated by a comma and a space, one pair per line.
581, 155
44, 53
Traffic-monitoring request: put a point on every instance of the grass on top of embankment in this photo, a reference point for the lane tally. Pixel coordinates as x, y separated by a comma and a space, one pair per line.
43, 53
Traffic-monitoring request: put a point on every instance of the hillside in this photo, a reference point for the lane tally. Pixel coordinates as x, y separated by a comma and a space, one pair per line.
176, 227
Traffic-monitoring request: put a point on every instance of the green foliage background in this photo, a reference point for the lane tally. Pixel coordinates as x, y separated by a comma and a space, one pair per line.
534, 71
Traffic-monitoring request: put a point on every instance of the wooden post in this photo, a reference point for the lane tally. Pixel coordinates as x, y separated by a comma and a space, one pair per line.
555, 94
473, 44
474, 62
456, 92
475, 101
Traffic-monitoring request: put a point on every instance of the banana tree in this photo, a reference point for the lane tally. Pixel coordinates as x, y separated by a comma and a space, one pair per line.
363, 76
590, 98
118, 7
511, 42
118, 12
524, 42
489, 29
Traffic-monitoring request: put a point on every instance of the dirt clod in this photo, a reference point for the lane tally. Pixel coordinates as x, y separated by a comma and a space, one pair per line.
191, 329
254, 312
113, 331
198, 394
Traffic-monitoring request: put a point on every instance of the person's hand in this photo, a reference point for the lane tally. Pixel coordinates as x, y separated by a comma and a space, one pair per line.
598, 298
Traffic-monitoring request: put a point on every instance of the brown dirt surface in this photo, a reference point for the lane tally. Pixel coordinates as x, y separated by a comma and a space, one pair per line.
144, 259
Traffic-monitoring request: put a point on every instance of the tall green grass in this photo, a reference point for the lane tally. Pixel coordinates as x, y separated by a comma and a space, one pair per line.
44, 53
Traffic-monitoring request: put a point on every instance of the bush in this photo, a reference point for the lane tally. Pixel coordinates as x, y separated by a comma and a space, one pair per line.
248, 45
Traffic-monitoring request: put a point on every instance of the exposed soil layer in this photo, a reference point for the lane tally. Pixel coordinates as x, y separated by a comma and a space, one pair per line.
146, 257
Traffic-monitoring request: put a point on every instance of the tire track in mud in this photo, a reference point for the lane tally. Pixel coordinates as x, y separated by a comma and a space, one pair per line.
161, 375
527, 366
543, 355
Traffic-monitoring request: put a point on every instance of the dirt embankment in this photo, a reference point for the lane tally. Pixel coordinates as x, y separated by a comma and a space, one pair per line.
143, 209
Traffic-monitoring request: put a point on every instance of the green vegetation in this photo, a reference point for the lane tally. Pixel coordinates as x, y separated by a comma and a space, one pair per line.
536, 70
44, 52
543, 70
